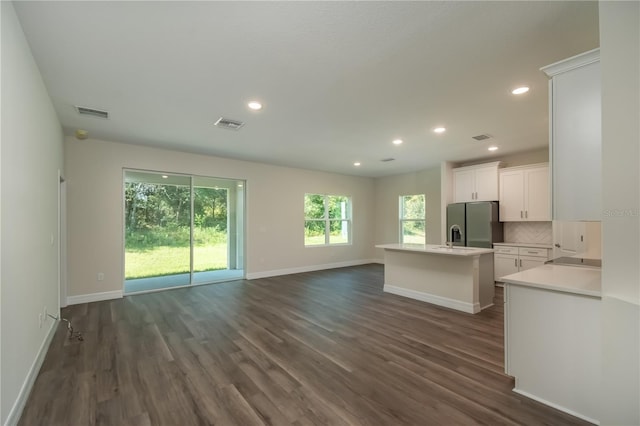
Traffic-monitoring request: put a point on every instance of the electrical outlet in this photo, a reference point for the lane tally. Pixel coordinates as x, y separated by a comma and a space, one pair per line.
100, 276
40, 320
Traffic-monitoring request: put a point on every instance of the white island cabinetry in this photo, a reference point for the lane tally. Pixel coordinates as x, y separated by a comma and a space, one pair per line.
460, 278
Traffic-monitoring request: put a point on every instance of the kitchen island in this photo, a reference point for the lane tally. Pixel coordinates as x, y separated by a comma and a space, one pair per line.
459, 278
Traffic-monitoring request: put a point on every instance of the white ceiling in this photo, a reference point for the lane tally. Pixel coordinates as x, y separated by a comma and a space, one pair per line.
339, 80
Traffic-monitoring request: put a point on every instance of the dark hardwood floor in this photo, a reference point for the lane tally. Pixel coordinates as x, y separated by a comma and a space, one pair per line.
320, 348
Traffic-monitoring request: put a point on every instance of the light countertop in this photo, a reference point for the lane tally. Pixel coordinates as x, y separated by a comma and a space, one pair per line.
532, 245
436, 249
568, 279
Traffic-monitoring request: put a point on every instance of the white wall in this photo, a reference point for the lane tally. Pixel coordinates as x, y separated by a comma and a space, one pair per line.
274, 222
387, 192
31, 157
620, 61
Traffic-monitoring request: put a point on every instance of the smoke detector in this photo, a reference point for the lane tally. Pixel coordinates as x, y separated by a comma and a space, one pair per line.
229, 124
93, 112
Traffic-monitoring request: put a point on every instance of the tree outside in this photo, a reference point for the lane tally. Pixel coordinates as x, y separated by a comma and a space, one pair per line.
157, 229
322, 212
412, 215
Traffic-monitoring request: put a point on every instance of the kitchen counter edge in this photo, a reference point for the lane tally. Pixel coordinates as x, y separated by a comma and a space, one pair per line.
436, 249
566, 279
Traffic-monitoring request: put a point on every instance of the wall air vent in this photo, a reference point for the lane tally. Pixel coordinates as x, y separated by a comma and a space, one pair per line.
92, 112
481, 137
386, 160
227, 123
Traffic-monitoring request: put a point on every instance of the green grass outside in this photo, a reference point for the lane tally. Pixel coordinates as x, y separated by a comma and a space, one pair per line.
166, 260
165, 251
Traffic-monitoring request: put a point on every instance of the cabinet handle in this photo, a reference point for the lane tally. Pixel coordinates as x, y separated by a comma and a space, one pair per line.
515, 262
526, 214
521, 263
520, 214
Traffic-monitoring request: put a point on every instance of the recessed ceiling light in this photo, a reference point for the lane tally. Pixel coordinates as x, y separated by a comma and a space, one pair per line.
439, 130
493, 148
255, 105
520, 90
357, 163
397, 141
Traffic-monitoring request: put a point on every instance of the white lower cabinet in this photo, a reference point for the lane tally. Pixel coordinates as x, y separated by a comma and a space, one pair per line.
552, 348
511, 259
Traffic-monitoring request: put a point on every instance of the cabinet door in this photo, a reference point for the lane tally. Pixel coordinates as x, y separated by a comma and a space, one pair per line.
486, 180
568, 238
504, 264
528, 262
536, 190
463, 186
576, 144
511, 196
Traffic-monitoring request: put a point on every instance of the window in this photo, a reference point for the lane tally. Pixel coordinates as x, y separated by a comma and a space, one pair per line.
327, 219
412, 219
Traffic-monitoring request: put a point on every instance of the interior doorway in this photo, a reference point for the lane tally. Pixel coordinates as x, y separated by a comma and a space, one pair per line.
181, 230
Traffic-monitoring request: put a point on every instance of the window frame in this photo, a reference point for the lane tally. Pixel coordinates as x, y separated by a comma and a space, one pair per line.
327, 220
402, 220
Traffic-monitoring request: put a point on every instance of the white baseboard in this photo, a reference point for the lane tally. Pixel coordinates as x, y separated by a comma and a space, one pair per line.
32, 374
556, 406
436, 300
94, 297
311, 268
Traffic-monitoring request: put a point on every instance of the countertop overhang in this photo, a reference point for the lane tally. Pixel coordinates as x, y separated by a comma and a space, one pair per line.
436, 249
567, 279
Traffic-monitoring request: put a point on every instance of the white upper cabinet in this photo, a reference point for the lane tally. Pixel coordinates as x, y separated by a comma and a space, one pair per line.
524, 194
476, 183
575, 137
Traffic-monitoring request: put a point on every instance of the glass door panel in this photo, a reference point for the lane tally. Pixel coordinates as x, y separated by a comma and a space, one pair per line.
181, 230
157, 230
217, 229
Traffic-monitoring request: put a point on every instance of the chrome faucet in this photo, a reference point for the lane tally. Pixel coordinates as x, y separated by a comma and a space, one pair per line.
451, 229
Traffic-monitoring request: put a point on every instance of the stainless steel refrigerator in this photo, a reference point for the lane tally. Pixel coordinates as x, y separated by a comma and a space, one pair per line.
478, 222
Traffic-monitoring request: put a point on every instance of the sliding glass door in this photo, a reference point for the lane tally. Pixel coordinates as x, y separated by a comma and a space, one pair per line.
181, 230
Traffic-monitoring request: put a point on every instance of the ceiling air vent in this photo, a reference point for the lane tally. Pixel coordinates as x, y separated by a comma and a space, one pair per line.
92, 112
227, 123
481, 137
386, 160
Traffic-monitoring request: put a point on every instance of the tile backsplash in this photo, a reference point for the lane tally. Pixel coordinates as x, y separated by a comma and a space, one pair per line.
528, 232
